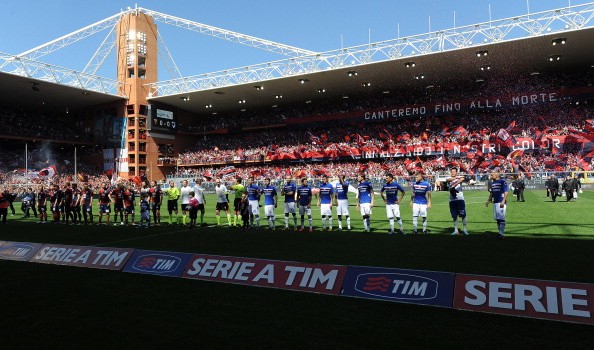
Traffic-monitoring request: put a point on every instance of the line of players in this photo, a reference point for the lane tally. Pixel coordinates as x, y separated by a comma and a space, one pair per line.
73, 205
298, 199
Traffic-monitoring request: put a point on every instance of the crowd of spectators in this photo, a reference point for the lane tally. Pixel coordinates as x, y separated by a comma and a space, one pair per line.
33, 125
500, 86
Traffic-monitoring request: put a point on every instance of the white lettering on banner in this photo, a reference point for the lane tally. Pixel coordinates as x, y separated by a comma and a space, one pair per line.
267, 273
415, 288
244, 270
534, 98
225, 268
21, 252
84, 257
487, 104
318, 276
456, 106
304, 277
517, 296
448, 107
164, 264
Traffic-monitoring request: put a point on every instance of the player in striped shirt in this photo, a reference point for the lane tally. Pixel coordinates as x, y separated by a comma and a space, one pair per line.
325, 202
303, 197
389, 193
253, 192
365, 201
342, 201
289, 190
270, 202
420, 201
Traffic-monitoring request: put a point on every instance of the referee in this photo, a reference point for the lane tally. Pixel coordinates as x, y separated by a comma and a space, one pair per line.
173, 194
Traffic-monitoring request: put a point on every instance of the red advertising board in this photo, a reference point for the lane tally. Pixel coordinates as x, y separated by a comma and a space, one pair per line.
94, 257
325, 279
551, 300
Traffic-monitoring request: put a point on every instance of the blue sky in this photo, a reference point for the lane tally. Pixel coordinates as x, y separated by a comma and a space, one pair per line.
315, 25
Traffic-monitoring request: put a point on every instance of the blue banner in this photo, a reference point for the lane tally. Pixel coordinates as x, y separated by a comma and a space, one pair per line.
398, 285
18, 250
157, 263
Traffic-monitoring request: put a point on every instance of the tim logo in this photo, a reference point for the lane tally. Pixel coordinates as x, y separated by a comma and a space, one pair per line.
156, 263
16, 251
397, 286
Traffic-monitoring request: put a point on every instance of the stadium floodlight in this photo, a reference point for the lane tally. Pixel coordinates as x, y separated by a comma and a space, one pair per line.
487, 67
554, 58
208, 105
259, 87
410, 64
241, 101
352, 73
420, 76
559, 41
278, 96
482, 53
321, 91
366, 84
303, 81
185, 98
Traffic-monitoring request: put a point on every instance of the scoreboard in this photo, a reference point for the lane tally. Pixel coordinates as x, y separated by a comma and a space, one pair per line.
162, 120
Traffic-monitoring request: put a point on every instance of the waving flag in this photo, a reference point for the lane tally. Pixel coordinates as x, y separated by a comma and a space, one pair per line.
49, 172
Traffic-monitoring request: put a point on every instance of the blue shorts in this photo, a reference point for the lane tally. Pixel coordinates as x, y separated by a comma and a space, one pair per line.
458, 208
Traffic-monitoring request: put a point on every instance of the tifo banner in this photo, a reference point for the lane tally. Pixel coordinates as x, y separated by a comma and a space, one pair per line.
94, 257
325, 279
560, 301
157, 263
397, 285
18, 250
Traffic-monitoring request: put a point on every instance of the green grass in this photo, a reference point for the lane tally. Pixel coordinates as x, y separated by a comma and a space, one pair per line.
45, 306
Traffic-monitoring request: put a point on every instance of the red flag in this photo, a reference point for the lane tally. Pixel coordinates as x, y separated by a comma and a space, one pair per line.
515, 154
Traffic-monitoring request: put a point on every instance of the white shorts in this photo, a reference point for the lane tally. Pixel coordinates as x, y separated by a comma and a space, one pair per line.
365, 208
290, 208
343, 207
499, 213
303, 209
420, 210
392, 211
326, 209
269, 210
255, 207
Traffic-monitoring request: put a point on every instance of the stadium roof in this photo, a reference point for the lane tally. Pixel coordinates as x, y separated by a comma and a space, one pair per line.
445, 69
39, 95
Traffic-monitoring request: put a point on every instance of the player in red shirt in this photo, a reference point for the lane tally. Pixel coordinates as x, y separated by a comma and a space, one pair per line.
128, 198
156, 195
104, 203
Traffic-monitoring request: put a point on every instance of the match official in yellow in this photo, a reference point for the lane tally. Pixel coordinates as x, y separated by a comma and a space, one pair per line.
173, 193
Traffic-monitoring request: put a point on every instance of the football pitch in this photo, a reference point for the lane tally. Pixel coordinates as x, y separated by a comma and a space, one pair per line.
49, 306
